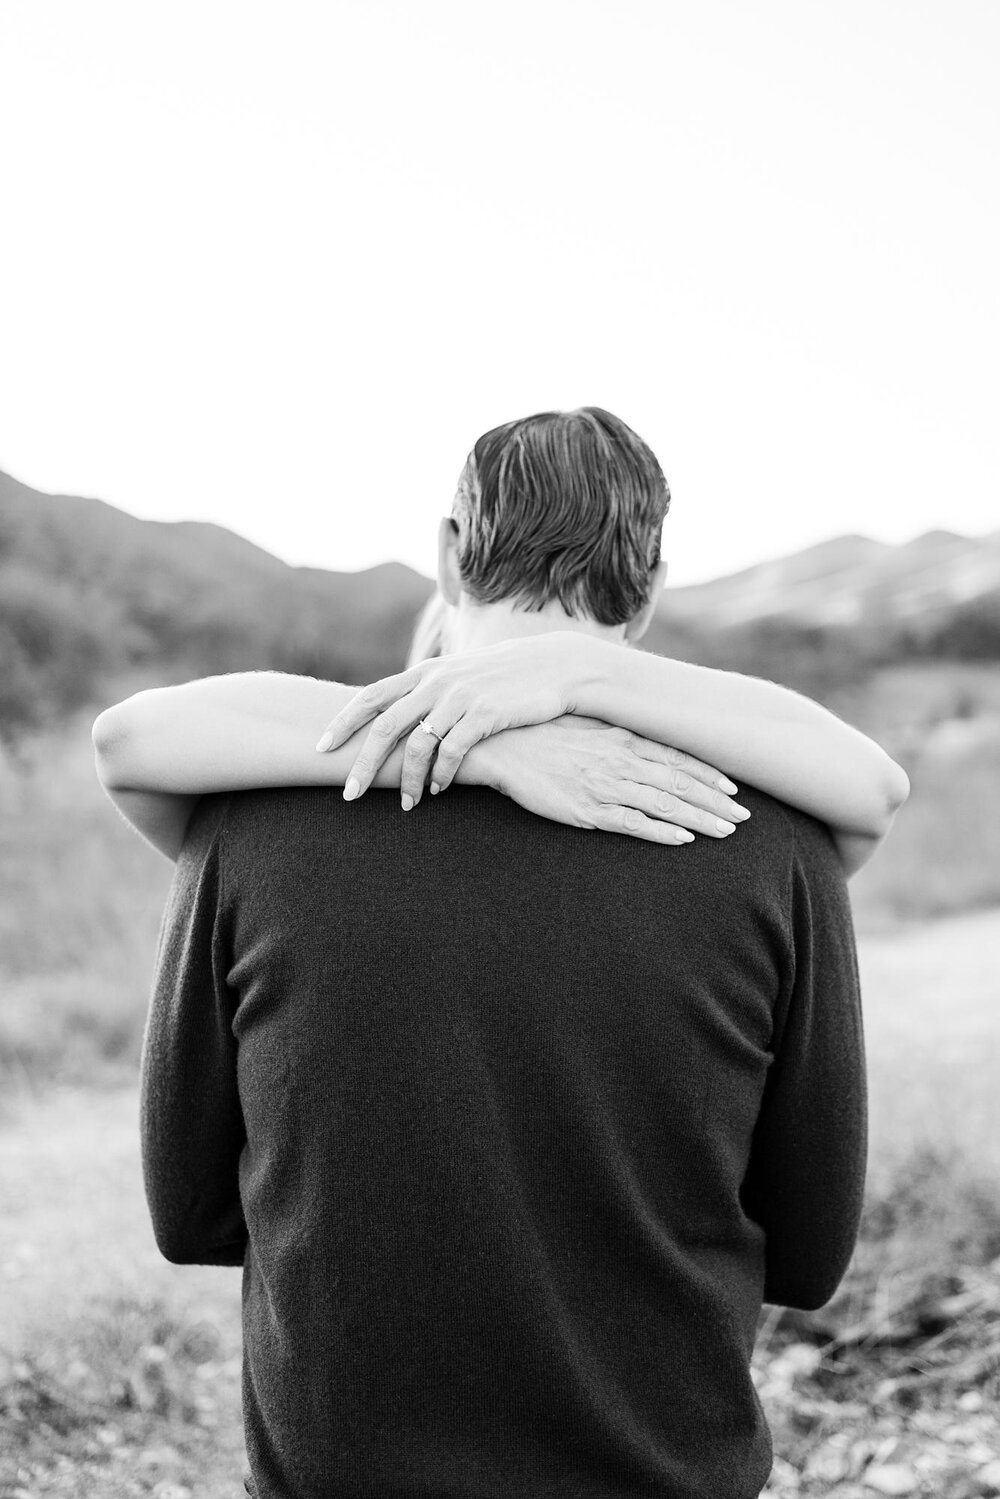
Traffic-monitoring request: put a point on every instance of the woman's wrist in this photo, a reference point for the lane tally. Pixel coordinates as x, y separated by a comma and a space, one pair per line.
481, 766
594, 666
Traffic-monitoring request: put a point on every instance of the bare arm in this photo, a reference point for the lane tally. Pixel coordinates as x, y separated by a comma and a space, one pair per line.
758, 731
158, 751
855, 849
763, 733
161, 817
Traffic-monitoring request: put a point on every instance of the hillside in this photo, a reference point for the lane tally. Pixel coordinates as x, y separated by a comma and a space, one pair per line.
826, 619
92, 598
124, 1375
853, 581
89, 594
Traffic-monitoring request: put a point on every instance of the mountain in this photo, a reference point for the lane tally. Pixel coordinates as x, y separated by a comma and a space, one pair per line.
91, 598
825, 619
853, 582
89, 594
171, 575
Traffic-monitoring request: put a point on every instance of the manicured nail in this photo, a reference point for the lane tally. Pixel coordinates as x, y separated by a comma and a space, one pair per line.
435, 788
741, 813
724, 826
727, 786
351, 789
407, 801
685, 837
325, 742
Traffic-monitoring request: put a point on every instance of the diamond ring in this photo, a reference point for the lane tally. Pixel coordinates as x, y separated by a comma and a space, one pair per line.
425, 725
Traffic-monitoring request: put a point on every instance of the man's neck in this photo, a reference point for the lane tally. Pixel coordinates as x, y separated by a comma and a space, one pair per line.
473, 625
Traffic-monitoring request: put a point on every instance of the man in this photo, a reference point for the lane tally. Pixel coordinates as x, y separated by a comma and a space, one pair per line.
512, 1126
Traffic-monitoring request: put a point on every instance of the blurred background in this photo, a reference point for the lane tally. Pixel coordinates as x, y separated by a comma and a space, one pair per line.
267, 274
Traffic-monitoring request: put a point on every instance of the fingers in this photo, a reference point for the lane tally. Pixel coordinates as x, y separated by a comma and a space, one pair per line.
418, 757
663, 805
364, 705
683, 786
442, 756
423, 751
675, 759
659, 801
381, 740
453, 749
695, 794
629, 820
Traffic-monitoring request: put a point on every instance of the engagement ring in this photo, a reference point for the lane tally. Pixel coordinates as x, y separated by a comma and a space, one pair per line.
423, 724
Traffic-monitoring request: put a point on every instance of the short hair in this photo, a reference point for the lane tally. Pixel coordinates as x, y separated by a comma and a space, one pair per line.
567, 506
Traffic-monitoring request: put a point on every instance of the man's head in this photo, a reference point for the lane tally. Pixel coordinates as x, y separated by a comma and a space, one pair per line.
557, 516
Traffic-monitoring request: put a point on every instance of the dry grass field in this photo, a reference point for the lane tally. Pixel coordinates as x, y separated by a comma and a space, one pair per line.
119, 1373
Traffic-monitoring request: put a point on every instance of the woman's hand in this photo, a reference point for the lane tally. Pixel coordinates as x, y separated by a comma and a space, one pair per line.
587, 774
464, 698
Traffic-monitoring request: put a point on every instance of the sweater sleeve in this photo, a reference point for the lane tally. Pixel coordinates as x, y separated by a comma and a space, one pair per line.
805, 1180
191, 1122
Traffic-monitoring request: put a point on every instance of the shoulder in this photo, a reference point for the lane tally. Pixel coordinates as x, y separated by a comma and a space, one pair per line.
801, 836
796, 850
198, 862
780, 833
818, 899
814, 852
245, 823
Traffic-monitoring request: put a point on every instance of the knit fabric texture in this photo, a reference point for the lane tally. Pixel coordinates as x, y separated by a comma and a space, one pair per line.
512, 1126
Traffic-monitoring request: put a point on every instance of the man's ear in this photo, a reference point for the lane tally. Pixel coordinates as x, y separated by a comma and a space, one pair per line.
449, 577
639, 624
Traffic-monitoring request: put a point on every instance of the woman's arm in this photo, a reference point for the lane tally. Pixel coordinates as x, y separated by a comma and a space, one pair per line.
159, 750
761, 732
161, 817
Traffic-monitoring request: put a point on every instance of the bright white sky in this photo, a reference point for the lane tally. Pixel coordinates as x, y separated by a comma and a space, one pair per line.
278, 265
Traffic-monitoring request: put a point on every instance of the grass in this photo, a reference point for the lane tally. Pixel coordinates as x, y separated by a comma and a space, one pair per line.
124, 1358
895, 1384
128, 1372
129, 1400
82, 898
941, 721
943, 855
137, 1385
113, 1362
124, 1375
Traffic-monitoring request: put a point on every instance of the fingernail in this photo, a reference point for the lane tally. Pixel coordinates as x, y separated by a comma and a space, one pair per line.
685, 836
435, 788
325, 742
724, 826
727, 786
407, 802
741, 813
351, 789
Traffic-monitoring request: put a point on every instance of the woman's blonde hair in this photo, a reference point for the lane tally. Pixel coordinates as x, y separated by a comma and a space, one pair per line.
430, 633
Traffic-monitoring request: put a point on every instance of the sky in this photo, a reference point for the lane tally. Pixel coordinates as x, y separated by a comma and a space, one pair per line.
278, 265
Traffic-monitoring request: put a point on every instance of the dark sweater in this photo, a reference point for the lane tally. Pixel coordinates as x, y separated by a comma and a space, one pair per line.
513, 1126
